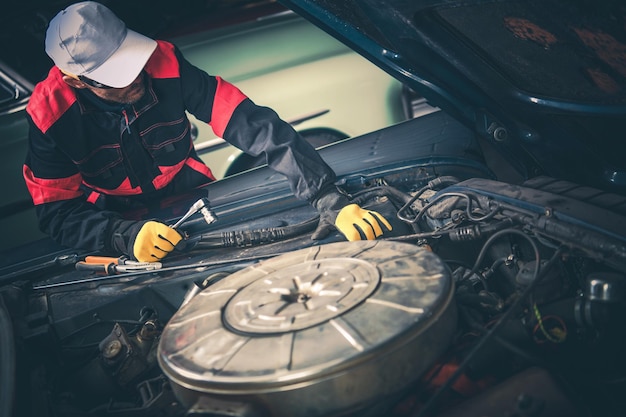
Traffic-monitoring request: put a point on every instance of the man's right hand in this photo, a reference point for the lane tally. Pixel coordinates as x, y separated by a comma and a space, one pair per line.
154, 241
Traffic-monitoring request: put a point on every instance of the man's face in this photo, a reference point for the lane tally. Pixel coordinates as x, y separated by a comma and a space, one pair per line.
127, 95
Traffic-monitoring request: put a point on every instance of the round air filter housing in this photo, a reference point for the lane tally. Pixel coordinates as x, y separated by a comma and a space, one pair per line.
317, 332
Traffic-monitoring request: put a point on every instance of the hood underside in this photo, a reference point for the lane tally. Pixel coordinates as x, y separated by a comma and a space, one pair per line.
544, 80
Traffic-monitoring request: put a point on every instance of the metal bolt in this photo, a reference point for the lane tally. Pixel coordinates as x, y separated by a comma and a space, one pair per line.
500, 134
111, 350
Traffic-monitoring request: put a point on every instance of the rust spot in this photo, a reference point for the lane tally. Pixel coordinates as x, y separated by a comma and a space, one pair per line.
185, 338
606, 47
603, 81
527, 30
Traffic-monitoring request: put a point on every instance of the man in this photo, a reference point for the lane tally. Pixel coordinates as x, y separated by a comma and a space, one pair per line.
109, 132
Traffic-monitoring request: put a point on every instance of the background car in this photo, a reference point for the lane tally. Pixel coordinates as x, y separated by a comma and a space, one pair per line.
324, 89
278, 59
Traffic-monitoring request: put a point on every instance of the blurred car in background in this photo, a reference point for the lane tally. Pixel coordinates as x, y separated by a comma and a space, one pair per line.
324, 89
280, 60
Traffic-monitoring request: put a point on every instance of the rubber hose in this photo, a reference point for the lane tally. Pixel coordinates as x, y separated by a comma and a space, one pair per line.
247, 238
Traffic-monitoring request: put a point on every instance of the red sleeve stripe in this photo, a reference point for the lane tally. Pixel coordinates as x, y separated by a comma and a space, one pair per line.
167, 175
200, 167
93, 197
49, 190
124, 189
227, 98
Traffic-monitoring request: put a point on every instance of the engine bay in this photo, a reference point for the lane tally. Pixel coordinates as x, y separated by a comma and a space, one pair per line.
520, 291
488, 297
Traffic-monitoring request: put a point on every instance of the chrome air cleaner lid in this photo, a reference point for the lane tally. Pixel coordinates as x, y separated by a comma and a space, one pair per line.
340, 313
301, 295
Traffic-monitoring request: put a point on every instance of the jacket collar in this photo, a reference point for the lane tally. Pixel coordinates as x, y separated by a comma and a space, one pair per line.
90, 102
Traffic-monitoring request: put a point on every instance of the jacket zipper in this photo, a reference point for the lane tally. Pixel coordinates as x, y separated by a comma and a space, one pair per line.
126, 120
141, 166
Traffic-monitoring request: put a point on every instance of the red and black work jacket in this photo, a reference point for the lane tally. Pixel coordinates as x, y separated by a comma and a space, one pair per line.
89, 159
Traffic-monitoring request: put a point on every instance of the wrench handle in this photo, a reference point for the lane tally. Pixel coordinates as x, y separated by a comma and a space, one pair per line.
102, 260
107, 269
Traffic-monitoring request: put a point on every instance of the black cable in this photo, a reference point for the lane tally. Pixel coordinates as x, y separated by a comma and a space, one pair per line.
483, 250
246, 238
393, 193
537, 274
431, 185
468, 212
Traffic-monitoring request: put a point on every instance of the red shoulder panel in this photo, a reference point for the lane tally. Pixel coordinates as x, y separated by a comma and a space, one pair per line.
163, 62
50, 99
227, 98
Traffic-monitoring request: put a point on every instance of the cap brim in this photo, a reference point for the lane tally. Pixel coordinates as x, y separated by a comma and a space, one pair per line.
121, 68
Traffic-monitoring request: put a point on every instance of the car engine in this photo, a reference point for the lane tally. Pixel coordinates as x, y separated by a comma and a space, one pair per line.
486, 298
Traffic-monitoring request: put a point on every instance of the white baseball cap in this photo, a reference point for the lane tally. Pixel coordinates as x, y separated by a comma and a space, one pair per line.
88, 39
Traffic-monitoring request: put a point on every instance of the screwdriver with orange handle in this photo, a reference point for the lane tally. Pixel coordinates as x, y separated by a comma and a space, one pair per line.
111, 266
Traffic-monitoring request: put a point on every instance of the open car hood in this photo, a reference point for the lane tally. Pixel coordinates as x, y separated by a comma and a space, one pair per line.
545, 81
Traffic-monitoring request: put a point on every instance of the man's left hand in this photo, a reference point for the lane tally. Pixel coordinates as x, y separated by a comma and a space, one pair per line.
354, 222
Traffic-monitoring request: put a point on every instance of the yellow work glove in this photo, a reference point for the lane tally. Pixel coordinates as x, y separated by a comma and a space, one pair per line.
355, 223
352, 220
154, 241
